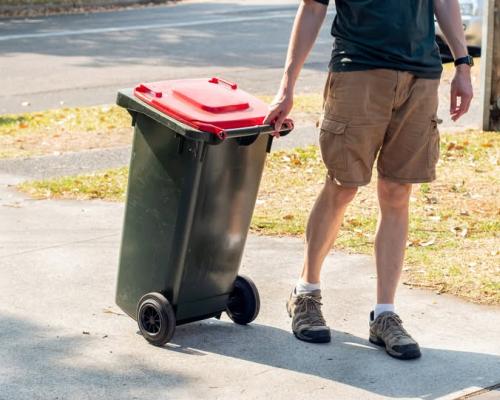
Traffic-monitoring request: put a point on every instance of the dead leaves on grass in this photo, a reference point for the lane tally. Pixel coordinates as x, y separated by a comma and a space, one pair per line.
66, 129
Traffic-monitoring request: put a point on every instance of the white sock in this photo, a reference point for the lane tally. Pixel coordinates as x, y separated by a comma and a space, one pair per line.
304, 287
380, 308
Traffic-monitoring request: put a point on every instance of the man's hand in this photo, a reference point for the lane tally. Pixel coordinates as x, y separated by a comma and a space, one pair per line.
279, 110
461, 88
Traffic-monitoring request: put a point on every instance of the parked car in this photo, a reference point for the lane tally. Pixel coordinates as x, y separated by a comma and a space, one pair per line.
472, 18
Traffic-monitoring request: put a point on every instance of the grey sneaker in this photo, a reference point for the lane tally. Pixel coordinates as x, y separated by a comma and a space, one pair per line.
308, 323
387, 330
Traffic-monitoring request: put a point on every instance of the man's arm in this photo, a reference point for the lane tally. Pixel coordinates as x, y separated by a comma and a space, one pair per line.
450, 21
308, 21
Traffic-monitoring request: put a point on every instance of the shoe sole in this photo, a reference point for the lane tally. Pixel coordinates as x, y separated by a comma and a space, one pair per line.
410, 355
322, 338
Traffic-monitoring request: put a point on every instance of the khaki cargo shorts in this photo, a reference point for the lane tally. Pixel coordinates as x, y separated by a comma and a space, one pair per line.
379, 113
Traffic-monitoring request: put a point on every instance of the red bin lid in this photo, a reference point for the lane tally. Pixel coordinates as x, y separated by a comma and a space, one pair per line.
211, 105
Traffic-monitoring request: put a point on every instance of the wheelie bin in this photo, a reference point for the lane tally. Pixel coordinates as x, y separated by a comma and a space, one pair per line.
198, 154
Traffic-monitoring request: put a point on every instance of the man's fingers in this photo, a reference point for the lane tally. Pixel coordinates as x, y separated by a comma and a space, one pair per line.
463, 108
278, 112
469, 101
453, 101
271, 116
278, 123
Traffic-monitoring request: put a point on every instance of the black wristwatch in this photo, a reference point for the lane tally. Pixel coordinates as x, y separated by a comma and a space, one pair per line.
464, 60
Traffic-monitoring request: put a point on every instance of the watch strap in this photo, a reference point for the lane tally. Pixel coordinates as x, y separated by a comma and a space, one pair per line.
464, 60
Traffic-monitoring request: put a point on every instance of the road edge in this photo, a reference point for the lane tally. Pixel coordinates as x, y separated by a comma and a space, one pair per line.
37, 10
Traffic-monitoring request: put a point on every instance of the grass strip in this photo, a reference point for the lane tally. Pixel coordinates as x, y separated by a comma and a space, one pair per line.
453, 245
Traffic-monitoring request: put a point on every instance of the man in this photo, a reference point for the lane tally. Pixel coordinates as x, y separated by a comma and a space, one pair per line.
381, 99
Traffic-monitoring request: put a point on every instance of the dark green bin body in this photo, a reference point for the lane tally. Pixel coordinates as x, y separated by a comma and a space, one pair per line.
188, 210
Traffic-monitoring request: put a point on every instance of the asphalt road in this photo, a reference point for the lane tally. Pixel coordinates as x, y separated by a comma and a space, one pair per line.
78, 60
84, 59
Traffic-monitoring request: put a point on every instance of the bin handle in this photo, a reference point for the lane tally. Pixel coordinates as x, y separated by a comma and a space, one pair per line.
219, 132
232, 85
286, 128
144, 89
222, 134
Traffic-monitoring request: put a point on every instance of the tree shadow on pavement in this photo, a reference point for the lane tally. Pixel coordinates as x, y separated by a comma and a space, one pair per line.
348, 359
212, 45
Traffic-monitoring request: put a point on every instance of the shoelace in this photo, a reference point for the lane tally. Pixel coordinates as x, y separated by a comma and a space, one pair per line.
312, 307
393, 321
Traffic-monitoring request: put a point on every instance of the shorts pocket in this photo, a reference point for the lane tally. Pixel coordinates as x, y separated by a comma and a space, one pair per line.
332, 143
433, 146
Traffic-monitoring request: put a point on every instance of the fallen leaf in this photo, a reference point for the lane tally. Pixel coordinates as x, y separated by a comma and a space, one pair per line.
108, 311
431, 200
413, 242
12, 205
428, 243
460, 231
288, 217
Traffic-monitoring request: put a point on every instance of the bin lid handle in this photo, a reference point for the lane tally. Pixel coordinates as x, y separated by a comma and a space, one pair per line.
232, 85
144, 89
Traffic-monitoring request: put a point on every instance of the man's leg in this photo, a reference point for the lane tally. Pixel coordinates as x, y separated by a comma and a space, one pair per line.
352, 130
391, 237
386, 327
304, 305
323, 226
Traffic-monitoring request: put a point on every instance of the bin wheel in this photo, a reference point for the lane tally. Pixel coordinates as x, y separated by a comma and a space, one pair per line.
243, 304
156, 318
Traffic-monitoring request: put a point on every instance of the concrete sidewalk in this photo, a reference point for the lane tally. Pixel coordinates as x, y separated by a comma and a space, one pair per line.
62, 337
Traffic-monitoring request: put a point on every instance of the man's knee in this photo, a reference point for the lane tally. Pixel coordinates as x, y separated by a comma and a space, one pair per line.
394, 194
341, 195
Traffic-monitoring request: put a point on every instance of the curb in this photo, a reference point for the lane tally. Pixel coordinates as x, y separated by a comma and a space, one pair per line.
75, 7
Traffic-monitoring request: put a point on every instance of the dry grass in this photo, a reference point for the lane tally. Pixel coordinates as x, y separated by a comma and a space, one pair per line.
454, 241
67, 129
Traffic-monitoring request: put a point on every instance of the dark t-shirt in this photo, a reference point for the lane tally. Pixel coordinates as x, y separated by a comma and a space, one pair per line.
393, 34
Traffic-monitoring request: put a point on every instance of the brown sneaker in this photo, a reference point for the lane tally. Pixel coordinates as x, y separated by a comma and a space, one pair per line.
308, 323
387, 330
